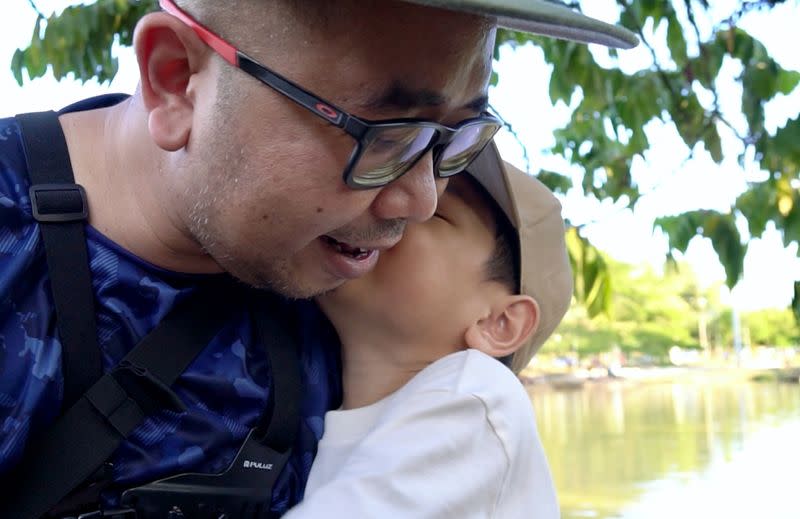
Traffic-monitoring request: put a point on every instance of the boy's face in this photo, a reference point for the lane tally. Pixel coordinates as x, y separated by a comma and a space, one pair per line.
432, 285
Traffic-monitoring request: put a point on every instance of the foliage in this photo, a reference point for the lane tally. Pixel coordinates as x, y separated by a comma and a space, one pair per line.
772, 327
79, 39
654, 311
592, 280
720, 228
611, 114
614, 108
768, 327
651, 313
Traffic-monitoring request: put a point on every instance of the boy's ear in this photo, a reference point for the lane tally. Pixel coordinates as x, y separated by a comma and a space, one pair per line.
169, 54
510, 323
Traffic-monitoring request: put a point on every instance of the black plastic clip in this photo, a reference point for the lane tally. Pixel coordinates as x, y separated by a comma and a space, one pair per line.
59, 203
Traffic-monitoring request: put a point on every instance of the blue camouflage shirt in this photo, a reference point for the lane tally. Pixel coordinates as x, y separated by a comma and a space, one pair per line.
225, 388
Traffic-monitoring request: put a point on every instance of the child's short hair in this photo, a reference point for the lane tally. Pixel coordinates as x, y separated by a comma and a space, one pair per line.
530, 255
503, 264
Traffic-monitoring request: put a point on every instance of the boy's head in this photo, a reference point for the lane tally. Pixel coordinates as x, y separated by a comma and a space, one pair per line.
529, 219
480, 274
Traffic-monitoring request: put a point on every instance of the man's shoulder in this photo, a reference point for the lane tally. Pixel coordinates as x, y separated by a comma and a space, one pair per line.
13, 166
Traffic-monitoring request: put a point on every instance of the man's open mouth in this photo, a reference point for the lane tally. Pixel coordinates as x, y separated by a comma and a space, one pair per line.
343, 248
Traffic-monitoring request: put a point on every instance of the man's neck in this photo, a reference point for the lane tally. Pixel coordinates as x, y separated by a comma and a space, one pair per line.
125, 177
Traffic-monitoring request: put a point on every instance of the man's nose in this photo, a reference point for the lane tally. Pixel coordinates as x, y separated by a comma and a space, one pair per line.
413, 196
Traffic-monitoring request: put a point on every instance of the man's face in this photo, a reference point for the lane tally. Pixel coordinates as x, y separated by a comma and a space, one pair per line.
264, 193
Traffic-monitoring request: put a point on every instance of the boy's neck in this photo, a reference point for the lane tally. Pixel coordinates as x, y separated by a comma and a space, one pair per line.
374, 368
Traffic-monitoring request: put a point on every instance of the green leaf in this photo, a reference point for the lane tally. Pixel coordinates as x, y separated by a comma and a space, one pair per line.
676, 42
787, 81
16, 65
796, 302
781, 154
556, 182
706, 66
720, 228
690, 119
759, 79
592, 280
727, 243
33, 59
791, 222
679, 229
713, 143
738, 43
758, 204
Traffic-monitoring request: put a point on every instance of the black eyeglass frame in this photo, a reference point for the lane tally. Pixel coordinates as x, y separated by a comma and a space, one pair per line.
361, 130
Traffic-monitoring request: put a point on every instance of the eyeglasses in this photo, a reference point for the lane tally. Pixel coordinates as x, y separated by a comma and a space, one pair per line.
385, 149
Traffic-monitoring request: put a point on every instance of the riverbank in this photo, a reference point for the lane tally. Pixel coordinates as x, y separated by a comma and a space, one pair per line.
578, 378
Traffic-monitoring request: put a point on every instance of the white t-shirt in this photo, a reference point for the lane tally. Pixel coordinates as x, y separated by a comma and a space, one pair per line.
458, 440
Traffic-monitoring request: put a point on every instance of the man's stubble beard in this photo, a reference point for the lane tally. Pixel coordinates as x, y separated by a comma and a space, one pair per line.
272, 274
252, 268
259, 270
217, 190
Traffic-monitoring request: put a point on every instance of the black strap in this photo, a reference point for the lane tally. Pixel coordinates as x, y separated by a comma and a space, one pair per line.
271, 319
239, 488
61, 208
97, 421
92, 429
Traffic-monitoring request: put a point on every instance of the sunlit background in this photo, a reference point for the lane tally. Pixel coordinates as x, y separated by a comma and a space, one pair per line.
689, 446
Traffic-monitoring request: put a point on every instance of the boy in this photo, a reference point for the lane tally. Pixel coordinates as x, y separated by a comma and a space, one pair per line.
431, 425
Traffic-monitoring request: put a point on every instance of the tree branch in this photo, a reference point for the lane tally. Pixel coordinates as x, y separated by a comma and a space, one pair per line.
692, 20
36, 8
661, 73
716, 115
750, 6
658, 185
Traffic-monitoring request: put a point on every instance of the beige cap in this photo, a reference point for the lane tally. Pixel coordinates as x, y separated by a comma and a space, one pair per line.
535, 213
545, 17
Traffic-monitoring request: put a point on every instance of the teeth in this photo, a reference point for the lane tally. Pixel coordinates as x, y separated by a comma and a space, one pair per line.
343, 248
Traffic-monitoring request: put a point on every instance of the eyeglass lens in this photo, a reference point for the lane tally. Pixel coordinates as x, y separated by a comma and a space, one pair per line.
390, 151
467, 143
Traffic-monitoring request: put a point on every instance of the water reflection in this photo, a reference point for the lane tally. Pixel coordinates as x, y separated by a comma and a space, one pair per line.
673, 450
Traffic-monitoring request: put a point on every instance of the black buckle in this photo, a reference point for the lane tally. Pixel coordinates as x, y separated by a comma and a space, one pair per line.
59, 203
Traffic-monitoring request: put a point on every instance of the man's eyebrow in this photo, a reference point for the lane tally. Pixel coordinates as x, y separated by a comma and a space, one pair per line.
479, 104
401, 97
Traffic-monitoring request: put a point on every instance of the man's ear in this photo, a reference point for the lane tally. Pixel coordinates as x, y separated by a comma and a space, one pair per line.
511, 322
169, 54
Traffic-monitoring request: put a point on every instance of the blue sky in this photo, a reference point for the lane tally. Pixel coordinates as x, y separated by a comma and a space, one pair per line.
671, 183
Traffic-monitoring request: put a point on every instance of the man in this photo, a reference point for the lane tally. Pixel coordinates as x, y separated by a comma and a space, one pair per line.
285, 143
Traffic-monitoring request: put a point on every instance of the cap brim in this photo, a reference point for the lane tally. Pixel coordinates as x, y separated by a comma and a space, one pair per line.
543, 17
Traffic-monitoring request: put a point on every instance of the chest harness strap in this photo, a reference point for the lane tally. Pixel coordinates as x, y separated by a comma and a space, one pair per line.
102, 410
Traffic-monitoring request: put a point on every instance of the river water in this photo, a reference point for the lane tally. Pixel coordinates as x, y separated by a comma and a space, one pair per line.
694, 449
